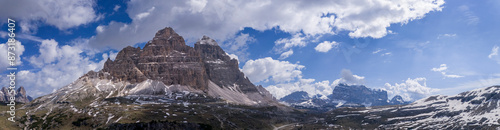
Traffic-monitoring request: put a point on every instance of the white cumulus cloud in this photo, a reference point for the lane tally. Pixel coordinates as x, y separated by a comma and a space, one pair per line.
347, 77
145, 14
62, 14
325, 46
19, 50
56, 66
323, 88
410, 90
266, 69
308, 85
239, 45
295, 40
442, 67
301, 18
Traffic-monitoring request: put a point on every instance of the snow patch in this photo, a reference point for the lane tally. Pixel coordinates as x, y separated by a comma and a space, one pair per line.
207, 41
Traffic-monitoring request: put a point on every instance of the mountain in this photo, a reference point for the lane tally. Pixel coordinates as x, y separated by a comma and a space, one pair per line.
296, 97
398, 100
359, 94
166, 76
204, 69
20, 95
476, 109
343, 95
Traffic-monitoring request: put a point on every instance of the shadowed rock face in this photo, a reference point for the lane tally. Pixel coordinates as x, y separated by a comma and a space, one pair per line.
220, 68
397, 100
296, 97
165, 58
359, 94
2, 94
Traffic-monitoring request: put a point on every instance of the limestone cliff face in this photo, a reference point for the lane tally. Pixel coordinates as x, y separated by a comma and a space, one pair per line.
220, 68
2, 95
166, 58
20, 95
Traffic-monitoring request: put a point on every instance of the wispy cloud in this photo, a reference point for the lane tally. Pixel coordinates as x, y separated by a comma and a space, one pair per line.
467, 86
386, 54
494, 54
442, 68
470, 17
286, 54
446, 35
377, 51
116, 8
382, 52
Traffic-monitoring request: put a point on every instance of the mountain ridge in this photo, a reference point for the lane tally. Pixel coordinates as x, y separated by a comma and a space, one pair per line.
343, 95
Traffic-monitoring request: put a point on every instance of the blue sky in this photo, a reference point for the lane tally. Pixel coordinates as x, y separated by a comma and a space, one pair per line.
413, 48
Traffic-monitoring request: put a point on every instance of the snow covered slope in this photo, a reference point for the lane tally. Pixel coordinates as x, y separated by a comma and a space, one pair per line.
473, 109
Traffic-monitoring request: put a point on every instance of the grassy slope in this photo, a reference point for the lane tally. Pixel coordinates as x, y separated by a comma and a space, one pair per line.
6, 124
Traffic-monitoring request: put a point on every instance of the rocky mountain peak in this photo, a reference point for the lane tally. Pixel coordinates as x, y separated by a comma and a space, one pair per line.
359, 94
207, 40
397, 100
2, 95
20, 95
296, 97
221, 69
343, 95
166, 40
166, 32
21, 90
165, 58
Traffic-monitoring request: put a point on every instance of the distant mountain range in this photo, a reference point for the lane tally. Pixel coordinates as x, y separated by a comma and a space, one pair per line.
476, 109
343, 95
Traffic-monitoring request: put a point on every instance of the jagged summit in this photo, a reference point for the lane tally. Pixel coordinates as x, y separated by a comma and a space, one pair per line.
343, 95
166, 32
398, 100
296, 97
359, 94
166, 58
20, 95
207, 40
169, 39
